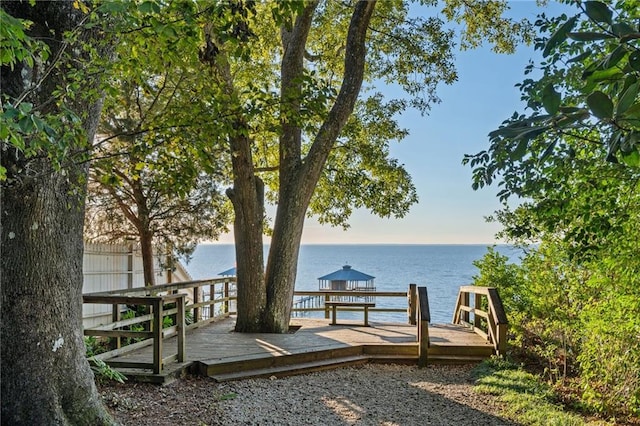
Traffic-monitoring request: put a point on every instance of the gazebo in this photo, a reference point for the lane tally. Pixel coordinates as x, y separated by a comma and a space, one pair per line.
347, 279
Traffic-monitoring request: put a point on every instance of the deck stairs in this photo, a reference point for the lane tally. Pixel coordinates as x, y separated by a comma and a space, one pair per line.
263, 365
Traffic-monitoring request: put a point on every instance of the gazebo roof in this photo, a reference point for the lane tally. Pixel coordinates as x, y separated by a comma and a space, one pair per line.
228, 273
347, 274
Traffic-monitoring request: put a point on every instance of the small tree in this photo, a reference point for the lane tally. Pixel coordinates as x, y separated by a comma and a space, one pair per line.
155, 178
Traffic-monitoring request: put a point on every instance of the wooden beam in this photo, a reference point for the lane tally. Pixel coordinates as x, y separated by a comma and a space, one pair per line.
119, 333
157, 337
424, 317
412, 296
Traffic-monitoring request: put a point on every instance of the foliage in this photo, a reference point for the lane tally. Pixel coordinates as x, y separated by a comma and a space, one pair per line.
576, 319
573, 160
103, 371
93, 346
526, 399
585, 104
158, 165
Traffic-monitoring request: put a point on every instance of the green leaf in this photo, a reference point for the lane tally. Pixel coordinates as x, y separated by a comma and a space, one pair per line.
149, 7
589, 36
615, 56
598, 11
632, 159
600, 105
550, 99
547, 152
633, 112
634, 60
608, 74
580, 57
520, 150
622, 29
559, 36
627, 98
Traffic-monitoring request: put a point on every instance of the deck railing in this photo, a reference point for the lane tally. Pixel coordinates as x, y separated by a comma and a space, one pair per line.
424, 318
150, 327
489, 318
314, 301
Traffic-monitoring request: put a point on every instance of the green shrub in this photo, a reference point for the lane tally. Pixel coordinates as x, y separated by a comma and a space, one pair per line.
102, 371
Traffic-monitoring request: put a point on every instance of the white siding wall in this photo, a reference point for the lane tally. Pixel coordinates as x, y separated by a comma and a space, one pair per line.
109, 267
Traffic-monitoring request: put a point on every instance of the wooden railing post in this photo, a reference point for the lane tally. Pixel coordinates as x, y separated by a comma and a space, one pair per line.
115, 317
412, 303
225, 295
326, 308
424, 317
181, 330
477, 304
500, 317
157, 335
465, 302
197, 291
212, 297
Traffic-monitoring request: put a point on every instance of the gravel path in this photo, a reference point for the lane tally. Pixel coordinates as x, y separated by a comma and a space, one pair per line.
372, 394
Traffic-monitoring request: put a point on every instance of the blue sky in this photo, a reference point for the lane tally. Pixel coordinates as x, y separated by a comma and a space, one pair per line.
449, 211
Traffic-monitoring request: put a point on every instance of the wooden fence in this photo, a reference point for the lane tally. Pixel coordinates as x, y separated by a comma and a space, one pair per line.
151, 327
486, 316
115, 267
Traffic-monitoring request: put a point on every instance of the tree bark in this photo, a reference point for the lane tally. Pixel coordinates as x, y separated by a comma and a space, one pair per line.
247, 197
146, 247
298, 177
46, 378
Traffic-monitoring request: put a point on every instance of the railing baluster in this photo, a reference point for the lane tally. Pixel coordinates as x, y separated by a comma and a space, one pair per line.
157, 335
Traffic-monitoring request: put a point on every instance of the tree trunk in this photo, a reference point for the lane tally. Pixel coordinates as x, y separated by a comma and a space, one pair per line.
46, 379
298, 178
45, 376
146, 247
282, 263
247, 197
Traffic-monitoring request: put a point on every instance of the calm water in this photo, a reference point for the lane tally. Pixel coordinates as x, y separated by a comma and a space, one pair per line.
442, 268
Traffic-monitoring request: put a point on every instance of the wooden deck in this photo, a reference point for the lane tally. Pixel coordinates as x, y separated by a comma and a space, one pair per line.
215, 350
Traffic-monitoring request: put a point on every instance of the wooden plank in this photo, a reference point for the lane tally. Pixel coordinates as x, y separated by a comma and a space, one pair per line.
180, 319
123, 323
423, 302
130, 364
123, 300
350, 304
157, 338
351, 293
412, 295
119, 333
424, 317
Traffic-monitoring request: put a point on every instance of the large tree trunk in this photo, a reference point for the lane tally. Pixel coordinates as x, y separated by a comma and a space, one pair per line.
299, 178
247, 197
46, 379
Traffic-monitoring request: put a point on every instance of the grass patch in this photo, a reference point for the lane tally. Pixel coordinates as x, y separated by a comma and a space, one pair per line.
527, 400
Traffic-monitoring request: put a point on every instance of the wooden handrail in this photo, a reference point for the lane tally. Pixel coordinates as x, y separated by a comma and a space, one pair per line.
424, 317
149, 296
495, 315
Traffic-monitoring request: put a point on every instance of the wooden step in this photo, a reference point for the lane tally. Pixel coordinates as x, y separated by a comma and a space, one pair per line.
461, 350
405, 349
289, 370
262, 361
393, 359
454, 359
